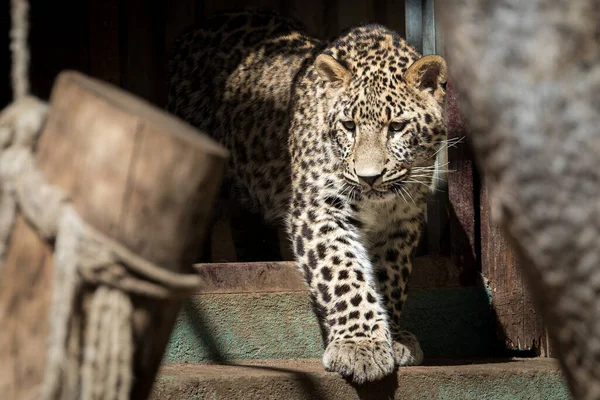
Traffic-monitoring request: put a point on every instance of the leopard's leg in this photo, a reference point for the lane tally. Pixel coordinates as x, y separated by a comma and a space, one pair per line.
338, 271
391, 257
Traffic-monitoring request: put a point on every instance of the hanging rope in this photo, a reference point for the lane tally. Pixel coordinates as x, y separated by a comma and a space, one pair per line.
19, 49
32, 110
90, 349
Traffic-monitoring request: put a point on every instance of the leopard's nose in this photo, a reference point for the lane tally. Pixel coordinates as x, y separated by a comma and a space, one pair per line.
369, 180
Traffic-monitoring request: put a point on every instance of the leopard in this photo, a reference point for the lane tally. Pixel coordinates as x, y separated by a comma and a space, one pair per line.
336, 140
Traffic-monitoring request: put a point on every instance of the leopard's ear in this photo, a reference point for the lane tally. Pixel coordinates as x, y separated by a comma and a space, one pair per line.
429, 73
330, 70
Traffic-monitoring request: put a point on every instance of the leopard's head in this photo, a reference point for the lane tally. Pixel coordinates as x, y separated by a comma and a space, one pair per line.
385, 113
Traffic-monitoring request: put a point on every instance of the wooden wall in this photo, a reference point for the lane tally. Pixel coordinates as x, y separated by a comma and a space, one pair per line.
127, 42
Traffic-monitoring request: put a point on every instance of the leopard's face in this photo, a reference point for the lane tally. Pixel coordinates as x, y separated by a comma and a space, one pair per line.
387, 131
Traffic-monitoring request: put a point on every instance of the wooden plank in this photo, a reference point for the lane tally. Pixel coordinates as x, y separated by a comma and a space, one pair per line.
274, 5
5, 89
354, 12
58, 40
462, 188
519, 326
392, 14
25, 296
265, 277
311, 13
145, 62
105, 61
216, 6
180, 15
330, 27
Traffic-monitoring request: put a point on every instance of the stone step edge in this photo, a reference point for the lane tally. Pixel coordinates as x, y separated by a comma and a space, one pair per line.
536, 378
264, 277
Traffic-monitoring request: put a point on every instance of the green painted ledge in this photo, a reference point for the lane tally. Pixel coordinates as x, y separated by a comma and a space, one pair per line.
450, 322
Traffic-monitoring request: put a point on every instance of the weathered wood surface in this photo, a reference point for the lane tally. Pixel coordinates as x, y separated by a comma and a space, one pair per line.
59, 39
518, 323
25, 296
137, 175
105, 48
262, 277
462, 187
475, 242
145, 59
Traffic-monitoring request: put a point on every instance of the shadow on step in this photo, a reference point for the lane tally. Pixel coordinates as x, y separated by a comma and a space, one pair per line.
309, 383
442, 362
199, 324
384, 389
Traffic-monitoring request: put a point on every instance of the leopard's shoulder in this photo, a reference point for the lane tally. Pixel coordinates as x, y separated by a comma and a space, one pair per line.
231, 76
206, 55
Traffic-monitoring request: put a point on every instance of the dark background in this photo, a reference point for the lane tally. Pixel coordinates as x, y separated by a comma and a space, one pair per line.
127, 42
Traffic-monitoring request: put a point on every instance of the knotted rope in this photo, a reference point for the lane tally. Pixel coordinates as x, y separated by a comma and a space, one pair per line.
90, 350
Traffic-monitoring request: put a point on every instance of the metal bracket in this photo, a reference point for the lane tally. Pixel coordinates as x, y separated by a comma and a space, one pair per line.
421, 27
422, 33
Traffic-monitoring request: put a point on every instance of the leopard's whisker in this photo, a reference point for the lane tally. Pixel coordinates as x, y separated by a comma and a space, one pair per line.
432, 166
398, 191
408, 193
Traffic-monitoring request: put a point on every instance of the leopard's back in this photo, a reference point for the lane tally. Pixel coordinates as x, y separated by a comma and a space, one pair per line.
232, 77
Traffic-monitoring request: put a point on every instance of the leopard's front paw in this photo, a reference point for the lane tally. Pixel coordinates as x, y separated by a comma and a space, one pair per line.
362, 360
407, 350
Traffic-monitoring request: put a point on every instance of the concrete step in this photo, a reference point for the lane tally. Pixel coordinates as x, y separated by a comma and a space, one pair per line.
262, 311
534, 379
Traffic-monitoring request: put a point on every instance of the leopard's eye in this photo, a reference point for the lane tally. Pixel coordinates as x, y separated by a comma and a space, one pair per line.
397, 126
349, 125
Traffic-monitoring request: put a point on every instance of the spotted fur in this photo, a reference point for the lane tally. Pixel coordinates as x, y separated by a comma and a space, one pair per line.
338, 141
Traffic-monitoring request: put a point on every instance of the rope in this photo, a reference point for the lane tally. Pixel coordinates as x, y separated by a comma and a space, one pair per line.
90, 348
19, 49
19, 124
